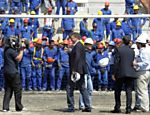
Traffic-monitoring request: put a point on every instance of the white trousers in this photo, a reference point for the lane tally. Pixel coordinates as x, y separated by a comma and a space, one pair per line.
142, 90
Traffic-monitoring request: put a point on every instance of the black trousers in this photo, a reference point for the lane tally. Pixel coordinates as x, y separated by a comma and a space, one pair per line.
70, 95
128, 83
12, 85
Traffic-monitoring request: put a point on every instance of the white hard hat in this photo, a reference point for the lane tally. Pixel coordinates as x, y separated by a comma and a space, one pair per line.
134, 46
75, 76
89, 41
142, 38
104, 62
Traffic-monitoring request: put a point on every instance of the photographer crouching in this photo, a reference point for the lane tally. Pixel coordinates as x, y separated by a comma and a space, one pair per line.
12, 55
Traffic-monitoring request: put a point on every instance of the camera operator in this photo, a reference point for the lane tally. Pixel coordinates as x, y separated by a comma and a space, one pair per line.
12, 55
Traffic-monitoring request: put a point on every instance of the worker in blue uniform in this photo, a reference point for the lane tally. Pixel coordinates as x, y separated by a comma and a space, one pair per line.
84, 28
72, 5
25, 7
4, 4
113, 24
126, 28
3, 21
100, 24
11, 30
102, 71
67, 25
63, 64
136, 24
48, 32
117, 32
50, 57
26, 31
34, 23
95, 34
59, 4
35, 5
37, 62
88, 78
16, 3
25, 66
129, 6
107, 11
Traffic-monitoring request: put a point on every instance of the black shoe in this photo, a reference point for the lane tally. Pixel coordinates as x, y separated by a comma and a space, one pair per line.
70, 110
5, 110
136, 109
116, 111
128, 111
86, 110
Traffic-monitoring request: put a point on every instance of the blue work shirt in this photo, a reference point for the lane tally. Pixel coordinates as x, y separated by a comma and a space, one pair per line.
10, 31
4, 4
34, 23
26, 59
67, 23
34, 3
106, 12
100, 25
117, 33
38, 54
50, 53
84, 28
73, 7
126, 28
63, 58
26, 32
96, 35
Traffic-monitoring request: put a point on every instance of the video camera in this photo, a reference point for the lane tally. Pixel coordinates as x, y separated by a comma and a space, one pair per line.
17, 44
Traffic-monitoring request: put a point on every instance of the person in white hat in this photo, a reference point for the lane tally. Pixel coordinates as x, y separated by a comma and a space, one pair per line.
88, 80
143, 69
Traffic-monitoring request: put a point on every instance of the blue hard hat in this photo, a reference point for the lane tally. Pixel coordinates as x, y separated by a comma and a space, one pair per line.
112, 43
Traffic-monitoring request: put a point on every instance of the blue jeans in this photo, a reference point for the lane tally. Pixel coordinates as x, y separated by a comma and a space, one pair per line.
89, 86
60, 4
70, 95
49, 74
66, 34
37, 78
62, 71
26, 75
103, 78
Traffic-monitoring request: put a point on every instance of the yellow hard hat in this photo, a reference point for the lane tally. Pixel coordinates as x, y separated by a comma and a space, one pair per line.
32, 13
0, 24
11, 20
60, 41
118, 23
35, 40
136, 7
100, 12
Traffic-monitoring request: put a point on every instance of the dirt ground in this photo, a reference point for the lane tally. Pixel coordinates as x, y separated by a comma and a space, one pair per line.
54, 103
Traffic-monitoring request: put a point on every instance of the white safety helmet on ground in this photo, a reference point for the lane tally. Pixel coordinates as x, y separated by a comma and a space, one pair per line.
89, 41
104, 62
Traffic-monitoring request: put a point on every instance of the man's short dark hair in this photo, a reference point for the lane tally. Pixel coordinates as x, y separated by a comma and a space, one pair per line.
126, 40
76, 35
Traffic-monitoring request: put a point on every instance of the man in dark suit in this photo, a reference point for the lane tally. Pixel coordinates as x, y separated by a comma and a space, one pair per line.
78, 66
124, 74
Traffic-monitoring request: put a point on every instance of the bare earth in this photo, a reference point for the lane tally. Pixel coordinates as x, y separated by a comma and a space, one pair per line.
54, 103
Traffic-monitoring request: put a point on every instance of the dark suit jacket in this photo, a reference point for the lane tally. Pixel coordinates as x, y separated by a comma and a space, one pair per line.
125, 64
77, 59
